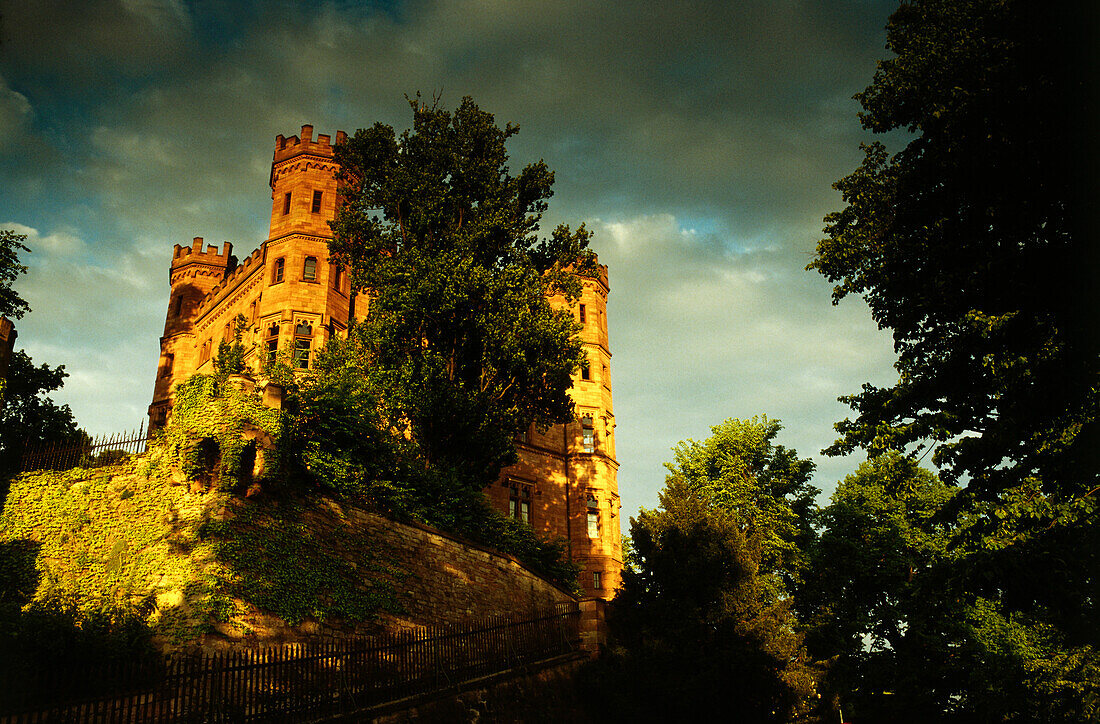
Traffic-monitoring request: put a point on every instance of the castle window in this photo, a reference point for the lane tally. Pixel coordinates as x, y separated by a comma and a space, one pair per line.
252, 312
586, 370
593, 517
303, 338
286, 203
582, 314
169, 360
273, 343
519, 504
588, 434
597, 580
277, 271
337, 274
225, 332
204, 353
316, 208
179, 305
309, 269
606, 378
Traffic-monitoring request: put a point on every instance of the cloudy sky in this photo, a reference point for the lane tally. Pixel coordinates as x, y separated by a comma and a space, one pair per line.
698, 140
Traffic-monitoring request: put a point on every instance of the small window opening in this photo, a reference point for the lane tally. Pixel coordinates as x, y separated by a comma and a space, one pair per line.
316, 207
225, 332
593, 517
169, 360
586, 370
582, 314
286, 203
252, 312
273, 343
309, 269
204, 353
596, 580
588, 433
519, 503
303, 339
337, 274
277, 272
179, 306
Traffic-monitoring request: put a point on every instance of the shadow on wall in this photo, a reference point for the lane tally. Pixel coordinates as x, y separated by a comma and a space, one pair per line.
56, 641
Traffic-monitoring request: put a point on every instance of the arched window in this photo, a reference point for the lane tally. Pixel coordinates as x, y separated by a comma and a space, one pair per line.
273, 342
593, 517
303, 340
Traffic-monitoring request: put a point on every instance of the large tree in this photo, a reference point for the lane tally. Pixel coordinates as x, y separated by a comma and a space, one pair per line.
766, 485
973, 244
910, 639
27, 416
697, 633
444, 242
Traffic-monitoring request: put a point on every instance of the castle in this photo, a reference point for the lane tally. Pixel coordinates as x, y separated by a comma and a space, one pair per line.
564, 483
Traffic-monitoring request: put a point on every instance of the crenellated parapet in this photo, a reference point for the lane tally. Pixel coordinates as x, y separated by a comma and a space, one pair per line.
231, 280
287, 148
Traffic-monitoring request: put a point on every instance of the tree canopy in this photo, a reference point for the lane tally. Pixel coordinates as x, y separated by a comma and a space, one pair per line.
11, 304
696, 630
767, 486
975, 245
970, 245
444, 241
703, 622
27, 416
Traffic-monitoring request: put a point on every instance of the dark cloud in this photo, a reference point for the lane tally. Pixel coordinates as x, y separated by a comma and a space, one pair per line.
699, 139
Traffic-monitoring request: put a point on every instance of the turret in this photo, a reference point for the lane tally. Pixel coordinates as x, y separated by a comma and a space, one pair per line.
193, 273
303, 184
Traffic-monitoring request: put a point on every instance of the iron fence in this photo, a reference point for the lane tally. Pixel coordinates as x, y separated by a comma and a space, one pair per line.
92, 453
292, 683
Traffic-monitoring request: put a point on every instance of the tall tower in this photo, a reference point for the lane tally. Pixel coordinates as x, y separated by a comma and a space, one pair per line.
192, 275
594, 531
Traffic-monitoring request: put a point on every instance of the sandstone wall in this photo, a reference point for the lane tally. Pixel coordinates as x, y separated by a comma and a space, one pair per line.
449, 580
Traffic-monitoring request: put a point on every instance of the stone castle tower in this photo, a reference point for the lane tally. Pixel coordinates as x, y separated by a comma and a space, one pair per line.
564, 484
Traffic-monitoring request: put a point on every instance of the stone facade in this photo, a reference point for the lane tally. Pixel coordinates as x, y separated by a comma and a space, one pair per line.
290, 296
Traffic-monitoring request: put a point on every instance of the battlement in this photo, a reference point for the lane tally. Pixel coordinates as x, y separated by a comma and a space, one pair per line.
286, 148
194, 254
242, 270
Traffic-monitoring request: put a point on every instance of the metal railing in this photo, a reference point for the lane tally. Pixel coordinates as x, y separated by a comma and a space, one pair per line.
93, 453
294, 682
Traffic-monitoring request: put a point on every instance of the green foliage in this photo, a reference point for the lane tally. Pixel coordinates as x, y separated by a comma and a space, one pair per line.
276, 558
696, 632
972, 244
767, 486
12, 305
464, 344
351, 443
113, 541
913, 637
205, 433
27, 416
230, 357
